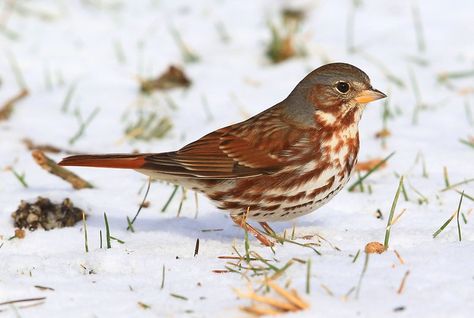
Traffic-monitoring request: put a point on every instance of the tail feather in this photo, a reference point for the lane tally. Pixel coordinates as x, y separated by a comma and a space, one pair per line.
119, 161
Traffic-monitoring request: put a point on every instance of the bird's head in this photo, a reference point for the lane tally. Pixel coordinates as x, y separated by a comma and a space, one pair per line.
336, 90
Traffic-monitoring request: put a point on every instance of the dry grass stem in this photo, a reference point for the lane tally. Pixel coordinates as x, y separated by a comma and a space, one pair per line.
288, 301
397, 218
400, 259
31, 145
403, 282
7, 109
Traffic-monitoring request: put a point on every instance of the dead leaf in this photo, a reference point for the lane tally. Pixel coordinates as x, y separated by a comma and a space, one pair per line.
384, 133
369, 164
19, 233
173, 77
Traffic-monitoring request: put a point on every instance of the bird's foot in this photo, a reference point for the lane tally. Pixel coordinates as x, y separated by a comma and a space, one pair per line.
240, 221
267, 228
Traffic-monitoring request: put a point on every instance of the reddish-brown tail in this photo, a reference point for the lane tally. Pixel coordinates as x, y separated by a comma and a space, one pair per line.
106, 161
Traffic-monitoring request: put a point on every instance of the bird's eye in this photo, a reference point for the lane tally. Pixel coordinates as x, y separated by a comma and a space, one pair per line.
342, 87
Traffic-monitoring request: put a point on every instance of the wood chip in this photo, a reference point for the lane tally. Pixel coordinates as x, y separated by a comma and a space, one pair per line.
374, 247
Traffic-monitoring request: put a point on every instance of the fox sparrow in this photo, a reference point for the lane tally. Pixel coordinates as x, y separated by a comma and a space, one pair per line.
280, 164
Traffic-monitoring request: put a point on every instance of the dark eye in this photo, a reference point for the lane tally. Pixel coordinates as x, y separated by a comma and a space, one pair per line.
342, 87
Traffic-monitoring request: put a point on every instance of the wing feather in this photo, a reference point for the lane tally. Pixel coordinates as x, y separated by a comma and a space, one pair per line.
263, 144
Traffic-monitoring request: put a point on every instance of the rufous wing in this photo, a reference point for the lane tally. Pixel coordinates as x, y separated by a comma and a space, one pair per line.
261, 145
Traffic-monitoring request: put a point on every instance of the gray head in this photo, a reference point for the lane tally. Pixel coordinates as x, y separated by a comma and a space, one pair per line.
333, 88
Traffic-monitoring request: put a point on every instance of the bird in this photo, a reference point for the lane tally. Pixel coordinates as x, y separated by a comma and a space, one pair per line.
282, 163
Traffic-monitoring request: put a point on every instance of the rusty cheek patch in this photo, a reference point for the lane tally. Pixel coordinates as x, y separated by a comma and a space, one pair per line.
321, 99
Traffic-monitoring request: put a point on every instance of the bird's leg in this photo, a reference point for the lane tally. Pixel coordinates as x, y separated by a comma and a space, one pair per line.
267, 228
240, 221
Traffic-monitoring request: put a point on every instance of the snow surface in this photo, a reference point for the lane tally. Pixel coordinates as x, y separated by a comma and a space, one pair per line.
78, 40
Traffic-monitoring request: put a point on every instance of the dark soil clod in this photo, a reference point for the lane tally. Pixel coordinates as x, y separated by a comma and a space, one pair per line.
47, 215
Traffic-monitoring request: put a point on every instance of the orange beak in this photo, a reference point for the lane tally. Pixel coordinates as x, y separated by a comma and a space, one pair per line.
369, 95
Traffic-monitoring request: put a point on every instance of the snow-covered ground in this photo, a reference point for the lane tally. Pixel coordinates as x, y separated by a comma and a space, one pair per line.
101, 47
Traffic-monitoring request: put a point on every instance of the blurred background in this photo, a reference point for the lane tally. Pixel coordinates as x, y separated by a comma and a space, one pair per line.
101, 76
96, 58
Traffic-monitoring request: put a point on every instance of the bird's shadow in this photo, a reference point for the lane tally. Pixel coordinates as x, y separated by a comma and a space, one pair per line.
212, 226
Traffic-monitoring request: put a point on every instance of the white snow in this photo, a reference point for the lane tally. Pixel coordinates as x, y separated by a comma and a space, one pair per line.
78, 40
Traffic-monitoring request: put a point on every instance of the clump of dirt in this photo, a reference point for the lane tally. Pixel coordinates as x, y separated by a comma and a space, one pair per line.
47, 215
172, 78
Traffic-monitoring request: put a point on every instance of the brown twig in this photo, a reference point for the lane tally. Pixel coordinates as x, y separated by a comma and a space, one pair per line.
7, 108
49, 165
31, 145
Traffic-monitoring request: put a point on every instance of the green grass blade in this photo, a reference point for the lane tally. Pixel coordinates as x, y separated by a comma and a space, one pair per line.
130, 223
457, 217
365, 176
107, 231
392, 211
84, 224
169, 199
